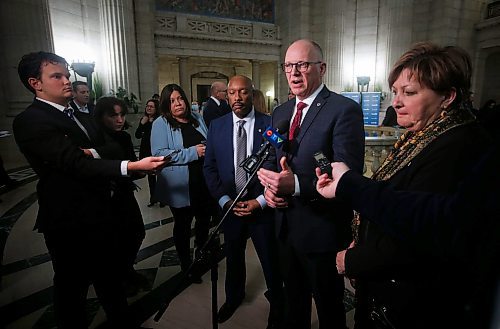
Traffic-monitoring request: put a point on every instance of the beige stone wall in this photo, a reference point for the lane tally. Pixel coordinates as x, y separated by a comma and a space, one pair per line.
362, 37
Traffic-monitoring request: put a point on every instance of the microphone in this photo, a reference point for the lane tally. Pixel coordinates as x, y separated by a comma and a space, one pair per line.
272, 137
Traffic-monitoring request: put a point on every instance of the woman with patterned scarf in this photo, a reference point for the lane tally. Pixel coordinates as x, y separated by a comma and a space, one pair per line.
400, 285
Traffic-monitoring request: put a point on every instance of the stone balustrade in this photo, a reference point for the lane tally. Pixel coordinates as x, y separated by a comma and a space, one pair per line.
376, 150
375, 131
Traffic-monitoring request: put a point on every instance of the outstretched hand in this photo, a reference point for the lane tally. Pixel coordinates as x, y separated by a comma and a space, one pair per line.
326, 186
148, 164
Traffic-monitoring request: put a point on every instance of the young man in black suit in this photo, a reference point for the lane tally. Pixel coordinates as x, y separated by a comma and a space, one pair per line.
217, 104
311, 229
250, 217
73, 194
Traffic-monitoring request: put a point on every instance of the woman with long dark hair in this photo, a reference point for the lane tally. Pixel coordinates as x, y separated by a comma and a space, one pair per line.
109, 114
180, 134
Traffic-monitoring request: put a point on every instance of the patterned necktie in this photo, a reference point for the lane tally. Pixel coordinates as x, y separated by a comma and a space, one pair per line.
241, 154
295, 126
69, 112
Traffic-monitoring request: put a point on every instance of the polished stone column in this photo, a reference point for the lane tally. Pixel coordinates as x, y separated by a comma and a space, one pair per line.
338, 48
184, 78
119, 45
26, 27
255, 73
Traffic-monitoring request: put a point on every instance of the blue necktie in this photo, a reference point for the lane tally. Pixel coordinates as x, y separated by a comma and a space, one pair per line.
69, 112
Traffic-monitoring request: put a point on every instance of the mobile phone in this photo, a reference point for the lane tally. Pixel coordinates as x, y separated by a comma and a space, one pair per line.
323, 163
169, 157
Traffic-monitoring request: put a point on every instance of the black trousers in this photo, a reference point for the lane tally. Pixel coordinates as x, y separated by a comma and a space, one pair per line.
307, 276
81, 260
152, 188
183, 218
235, 241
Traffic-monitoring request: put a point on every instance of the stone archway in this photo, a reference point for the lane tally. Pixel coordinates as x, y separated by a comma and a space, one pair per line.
491, 78
201, 81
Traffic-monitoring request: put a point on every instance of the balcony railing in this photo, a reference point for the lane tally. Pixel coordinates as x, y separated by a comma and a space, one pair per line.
378, 143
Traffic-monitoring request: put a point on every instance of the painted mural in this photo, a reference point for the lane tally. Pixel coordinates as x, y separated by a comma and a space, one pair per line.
251, 10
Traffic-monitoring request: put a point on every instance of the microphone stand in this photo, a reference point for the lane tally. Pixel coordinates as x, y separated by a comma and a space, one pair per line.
211, 248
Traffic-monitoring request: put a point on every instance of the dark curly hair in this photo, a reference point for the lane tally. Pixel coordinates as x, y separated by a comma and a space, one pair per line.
30, 66
165, 106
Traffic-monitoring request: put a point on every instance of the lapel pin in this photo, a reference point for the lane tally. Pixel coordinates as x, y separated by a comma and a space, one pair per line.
319, 104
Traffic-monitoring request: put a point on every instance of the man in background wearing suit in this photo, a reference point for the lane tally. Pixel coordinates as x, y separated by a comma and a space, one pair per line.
310, 228
242, 129
74, 194
216, 105
81, 98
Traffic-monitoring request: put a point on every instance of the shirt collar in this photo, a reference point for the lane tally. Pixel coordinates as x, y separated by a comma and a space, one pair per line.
311, 98
57, 106
215, 100
249, 116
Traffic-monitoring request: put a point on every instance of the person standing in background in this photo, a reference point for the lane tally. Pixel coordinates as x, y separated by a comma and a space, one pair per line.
181, 134
81, 98
110, 115
143, 132
391, 118
217, 103
259, 101
310, 229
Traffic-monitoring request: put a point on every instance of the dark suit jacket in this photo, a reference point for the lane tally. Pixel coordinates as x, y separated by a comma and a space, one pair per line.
213, 111
218, 167
75, 107
391, 269
446, 226
72, 187
334, 125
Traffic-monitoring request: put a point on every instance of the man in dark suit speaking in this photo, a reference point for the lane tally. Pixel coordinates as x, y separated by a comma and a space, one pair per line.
230, 139
217, 104
310, 228
74, 194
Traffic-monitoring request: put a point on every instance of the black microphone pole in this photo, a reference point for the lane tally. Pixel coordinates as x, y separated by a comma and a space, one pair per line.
209, 253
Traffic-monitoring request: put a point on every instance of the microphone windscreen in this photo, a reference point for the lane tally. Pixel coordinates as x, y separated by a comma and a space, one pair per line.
282, 126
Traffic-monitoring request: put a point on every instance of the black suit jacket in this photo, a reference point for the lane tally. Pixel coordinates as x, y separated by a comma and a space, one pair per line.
334, 125
73, 189
213, 111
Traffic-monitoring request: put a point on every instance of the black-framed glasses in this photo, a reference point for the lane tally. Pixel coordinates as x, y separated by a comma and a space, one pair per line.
300, 66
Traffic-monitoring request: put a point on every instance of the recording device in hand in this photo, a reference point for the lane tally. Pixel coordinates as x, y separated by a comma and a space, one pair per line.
272, 137
323, 163
168, 158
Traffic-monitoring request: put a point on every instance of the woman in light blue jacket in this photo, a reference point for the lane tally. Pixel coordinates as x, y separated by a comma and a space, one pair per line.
180, 134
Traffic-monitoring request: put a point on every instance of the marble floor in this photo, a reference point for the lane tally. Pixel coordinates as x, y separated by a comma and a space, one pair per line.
26, 272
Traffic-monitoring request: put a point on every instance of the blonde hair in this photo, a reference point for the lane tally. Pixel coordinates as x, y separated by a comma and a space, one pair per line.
259, 101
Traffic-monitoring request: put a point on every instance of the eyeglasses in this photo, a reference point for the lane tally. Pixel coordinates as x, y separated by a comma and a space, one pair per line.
300, 66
